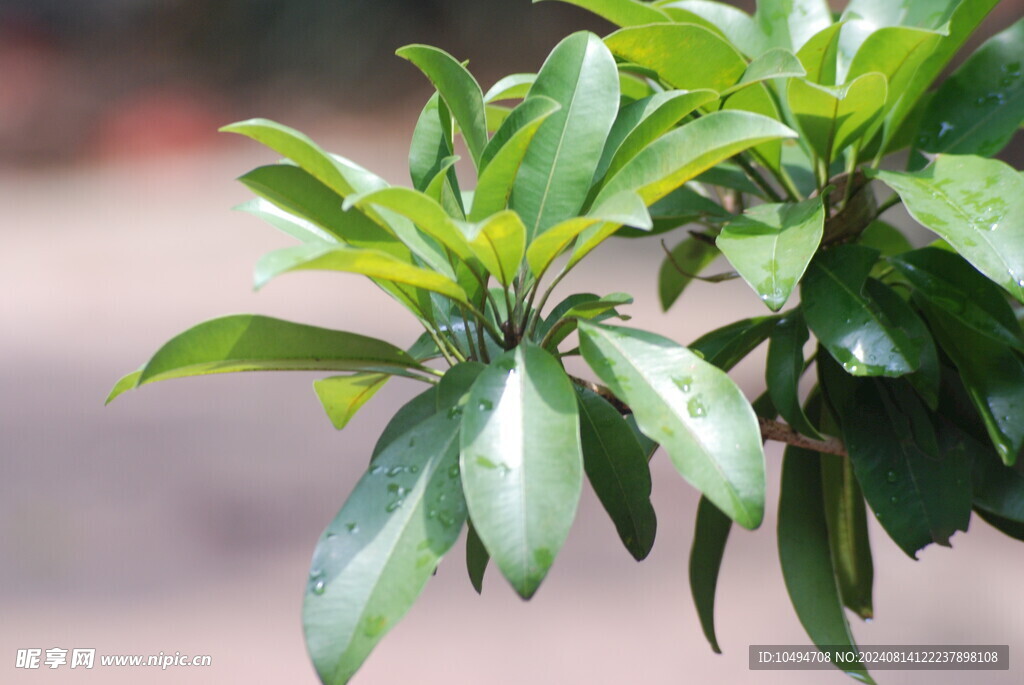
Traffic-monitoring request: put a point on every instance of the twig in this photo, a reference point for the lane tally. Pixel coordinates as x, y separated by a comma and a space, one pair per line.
717, 278
780, 432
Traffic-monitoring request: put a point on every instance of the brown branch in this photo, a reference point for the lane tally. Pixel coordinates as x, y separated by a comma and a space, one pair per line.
770, 430
780, 432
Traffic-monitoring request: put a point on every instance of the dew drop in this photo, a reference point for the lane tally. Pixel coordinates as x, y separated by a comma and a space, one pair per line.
453, 472
414, 469
683, 383
454, 412
891, 476
485, 405
446, 519
944, 128
376, 470
412, 442
319, 587
394, 506
395, 470
696, 408
432, 514
894, 499
352, 528
330, 537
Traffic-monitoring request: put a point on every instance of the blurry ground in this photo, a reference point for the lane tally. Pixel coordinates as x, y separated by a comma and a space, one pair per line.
182, 517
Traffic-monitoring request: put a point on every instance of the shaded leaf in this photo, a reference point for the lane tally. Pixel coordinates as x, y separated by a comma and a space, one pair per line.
710, 534
477, 559
785, 367
725, 347
832, 118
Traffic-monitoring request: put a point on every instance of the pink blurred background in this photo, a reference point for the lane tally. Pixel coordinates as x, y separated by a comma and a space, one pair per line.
182, 517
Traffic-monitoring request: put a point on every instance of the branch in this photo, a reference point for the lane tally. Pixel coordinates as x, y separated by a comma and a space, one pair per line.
770, 430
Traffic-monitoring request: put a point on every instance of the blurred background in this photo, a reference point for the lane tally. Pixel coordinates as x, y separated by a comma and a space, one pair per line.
182, 517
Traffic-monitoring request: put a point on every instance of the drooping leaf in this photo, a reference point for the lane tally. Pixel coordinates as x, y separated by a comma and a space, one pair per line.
980, 107
686, 260
372, 263
832, 118
710, 534
725, 347
622, 12
458, 89
553, 180
248, 342
477, 559
521, 462
343, 396
953, 285
771, 245
784, 369
993, 375
376, 556
919, 494
852, 328
977, 206
616, 467
499, 244
806, 559
688, 406
504, 154
848, 534
682, 154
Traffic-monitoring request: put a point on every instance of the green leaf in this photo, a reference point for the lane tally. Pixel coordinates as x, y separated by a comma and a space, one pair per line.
833, 118
511, 87
852, 328
423, 210
775, 63
297, 227
738, 27
806, 559
951, 284
993, 375
415, 411
771, 245
477, 559
977, 206
459, 90
688, 406
643, 121
343, 396
818, 55
885, 238
848, 534
617, 469
791, 23
682, 154
710, 534
453, 390
980, 107
625, 208
378, 553
684, 261
784, 369
997, 488
247, 342
725, 347
521, 462
549, 244
552, 184
431, 143
504, 155
919, 494
372, 263
578, 306
621, 12
920, 13
499, 244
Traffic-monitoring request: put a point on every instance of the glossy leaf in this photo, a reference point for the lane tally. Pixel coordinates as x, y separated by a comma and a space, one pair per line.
738, 27
504, 155
616, 467
640, 123
852, 328
980, 107
378, 553
303, 230
431, 143
993, 375
725, 347
552, 184
920, 13
622, 12
459, 90
415, 411
686, 260
511, 87
343, 396
806, 559
832, 118
688, 406
682, 154
977, 206
791, 23
785, 367
521, 462
818, 55
918, 493
771, 245
997, 489
247, 342
953, 285
372, 263
710, 534
775, 63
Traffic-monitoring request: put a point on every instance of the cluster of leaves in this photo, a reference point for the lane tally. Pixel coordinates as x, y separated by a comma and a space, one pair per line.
764, 135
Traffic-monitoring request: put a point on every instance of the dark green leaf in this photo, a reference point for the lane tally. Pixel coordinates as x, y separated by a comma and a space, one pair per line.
376, 556
709, 537
848, 534
805, 556
833, 118
477, 559
726, 346
784, 369
687, 260
847, 322
418, 409
691, 408
977, 206
617, 469
521, 462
